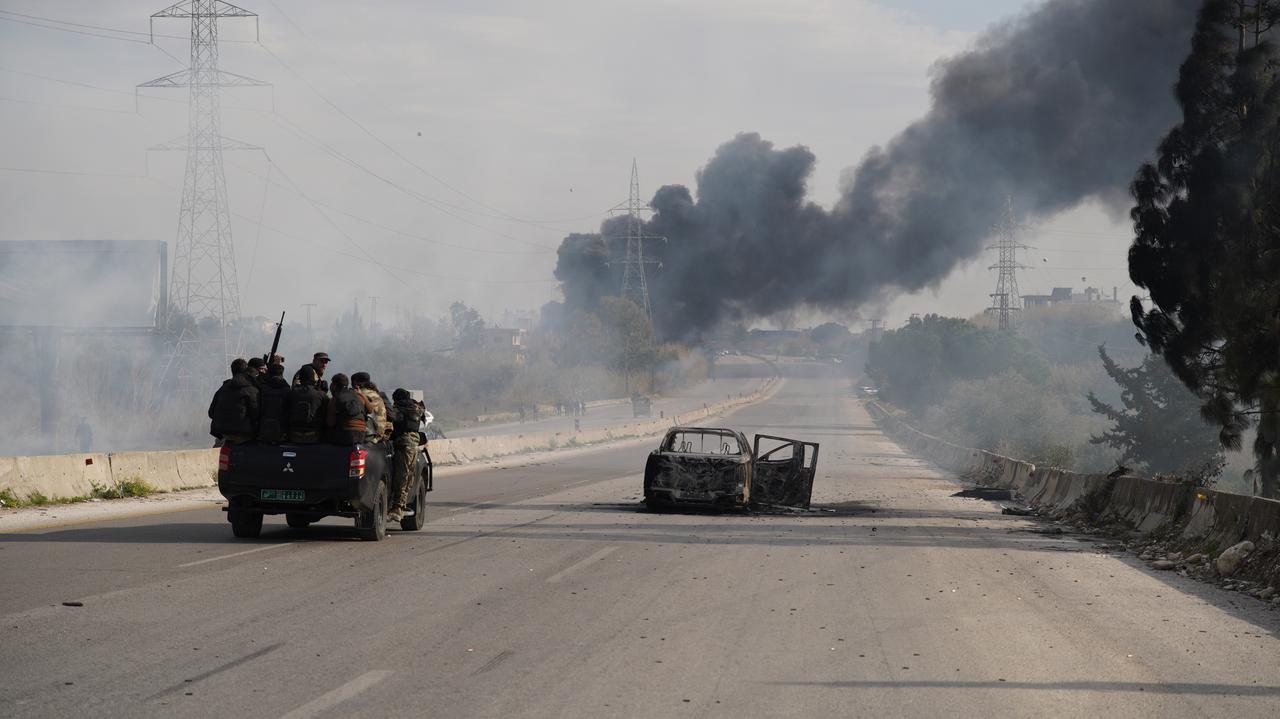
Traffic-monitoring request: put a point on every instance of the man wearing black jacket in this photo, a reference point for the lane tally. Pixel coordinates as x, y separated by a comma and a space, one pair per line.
272, 397
234, 410
306, 408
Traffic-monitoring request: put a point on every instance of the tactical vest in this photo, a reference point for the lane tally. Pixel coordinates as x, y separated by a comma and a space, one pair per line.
377, 417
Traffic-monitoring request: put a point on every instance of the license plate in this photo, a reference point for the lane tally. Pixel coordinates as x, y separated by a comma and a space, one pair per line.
284, 495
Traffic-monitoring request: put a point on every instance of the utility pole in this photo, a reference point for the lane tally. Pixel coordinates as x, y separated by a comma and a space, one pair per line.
635, 284
203, 282
310, 343
373, 311
1006, 301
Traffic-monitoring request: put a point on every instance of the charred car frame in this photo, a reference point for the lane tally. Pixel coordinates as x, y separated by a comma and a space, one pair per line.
718, 467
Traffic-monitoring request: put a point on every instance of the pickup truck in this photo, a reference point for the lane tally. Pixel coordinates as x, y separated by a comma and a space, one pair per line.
307, 482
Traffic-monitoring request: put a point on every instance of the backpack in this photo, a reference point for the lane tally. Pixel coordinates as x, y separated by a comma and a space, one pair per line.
302, 410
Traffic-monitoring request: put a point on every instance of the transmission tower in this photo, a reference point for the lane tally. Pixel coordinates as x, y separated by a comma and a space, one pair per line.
1006, 300
635, 285
203, 282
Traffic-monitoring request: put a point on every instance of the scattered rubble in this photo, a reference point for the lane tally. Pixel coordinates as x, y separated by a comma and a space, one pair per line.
1229, 561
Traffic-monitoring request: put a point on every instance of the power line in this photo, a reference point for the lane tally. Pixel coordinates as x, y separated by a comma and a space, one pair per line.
63, 106
498, 213
79, 173
68, 26
402, 233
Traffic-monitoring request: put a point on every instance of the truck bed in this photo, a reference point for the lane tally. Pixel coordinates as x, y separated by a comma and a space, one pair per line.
301, 478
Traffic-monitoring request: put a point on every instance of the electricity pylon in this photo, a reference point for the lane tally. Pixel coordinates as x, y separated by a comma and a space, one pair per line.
203, 282
1006, 301
635, 283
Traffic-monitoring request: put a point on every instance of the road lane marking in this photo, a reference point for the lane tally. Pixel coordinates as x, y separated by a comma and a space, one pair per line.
597, 556
347, 691
235, 554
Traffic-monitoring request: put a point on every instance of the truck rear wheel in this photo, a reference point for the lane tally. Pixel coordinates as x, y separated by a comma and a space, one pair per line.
372, 523
419, 518
245, 525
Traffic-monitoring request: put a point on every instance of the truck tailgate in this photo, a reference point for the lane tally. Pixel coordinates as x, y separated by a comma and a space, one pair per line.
316, 468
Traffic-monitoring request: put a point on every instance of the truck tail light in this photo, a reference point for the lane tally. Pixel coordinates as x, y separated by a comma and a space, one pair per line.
356, 465
224, 458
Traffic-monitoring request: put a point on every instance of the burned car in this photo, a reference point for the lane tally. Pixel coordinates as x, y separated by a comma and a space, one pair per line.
716, 467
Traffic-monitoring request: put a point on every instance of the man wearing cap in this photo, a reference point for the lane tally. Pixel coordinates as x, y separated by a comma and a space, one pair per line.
319, 361
257, 370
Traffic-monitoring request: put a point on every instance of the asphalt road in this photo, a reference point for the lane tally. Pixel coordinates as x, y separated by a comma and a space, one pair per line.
543, 591
739, 380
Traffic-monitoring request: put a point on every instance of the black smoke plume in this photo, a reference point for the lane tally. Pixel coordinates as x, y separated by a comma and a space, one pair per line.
1055, 107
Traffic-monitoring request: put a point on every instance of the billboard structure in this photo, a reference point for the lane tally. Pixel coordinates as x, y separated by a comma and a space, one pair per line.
54, 289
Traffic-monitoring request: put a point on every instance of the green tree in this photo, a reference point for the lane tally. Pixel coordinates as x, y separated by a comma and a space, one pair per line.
630, 336
915, 366
1159, 424
830, 335
468, 327
1206, 219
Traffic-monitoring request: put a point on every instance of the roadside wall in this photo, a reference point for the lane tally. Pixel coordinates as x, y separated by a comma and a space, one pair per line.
76, 475
1213, 519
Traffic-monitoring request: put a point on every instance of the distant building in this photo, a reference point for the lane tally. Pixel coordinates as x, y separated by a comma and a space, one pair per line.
1067, 296
506, 344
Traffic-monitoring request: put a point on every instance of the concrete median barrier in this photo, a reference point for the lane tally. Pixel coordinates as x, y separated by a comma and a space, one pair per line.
54, 476
1217, 519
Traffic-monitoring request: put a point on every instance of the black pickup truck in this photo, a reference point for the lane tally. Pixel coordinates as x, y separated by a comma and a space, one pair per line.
307, 482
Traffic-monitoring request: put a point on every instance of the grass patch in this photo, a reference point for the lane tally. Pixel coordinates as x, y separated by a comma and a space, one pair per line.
37, 499
9, 499
127, 487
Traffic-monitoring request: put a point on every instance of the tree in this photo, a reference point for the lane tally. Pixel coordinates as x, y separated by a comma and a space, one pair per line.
468, 327
915, 366
831, 335
630, 337
1207, 231
1159, 425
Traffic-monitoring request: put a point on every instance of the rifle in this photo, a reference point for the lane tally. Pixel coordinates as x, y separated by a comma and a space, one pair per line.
275, 344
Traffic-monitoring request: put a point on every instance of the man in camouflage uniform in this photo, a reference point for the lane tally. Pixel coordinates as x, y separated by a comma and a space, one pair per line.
379, 427
404, 441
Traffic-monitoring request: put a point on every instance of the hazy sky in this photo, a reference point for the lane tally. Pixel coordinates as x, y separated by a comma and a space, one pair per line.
522, 119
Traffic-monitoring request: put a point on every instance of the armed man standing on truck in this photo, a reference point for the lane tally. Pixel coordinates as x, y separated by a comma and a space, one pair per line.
404, 440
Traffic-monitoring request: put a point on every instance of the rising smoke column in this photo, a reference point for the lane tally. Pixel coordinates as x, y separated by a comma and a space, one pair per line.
1056, 107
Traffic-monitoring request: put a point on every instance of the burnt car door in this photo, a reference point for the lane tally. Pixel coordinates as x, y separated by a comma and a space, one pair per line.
782, 471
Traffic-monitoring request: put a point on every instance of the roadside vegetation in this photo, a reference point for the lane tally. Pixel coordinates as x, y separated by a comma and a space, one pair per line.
129, 487
1071, 389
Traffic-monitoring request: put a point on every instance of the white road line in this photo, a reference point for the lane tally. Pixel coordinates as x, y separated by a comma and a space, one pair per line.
235, 554
601, 554
341, 694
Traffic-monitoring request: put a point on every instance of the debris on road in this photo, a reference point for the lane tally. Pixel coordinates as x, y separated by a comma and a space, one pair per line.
988, 493
1018, 511
1229, 561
